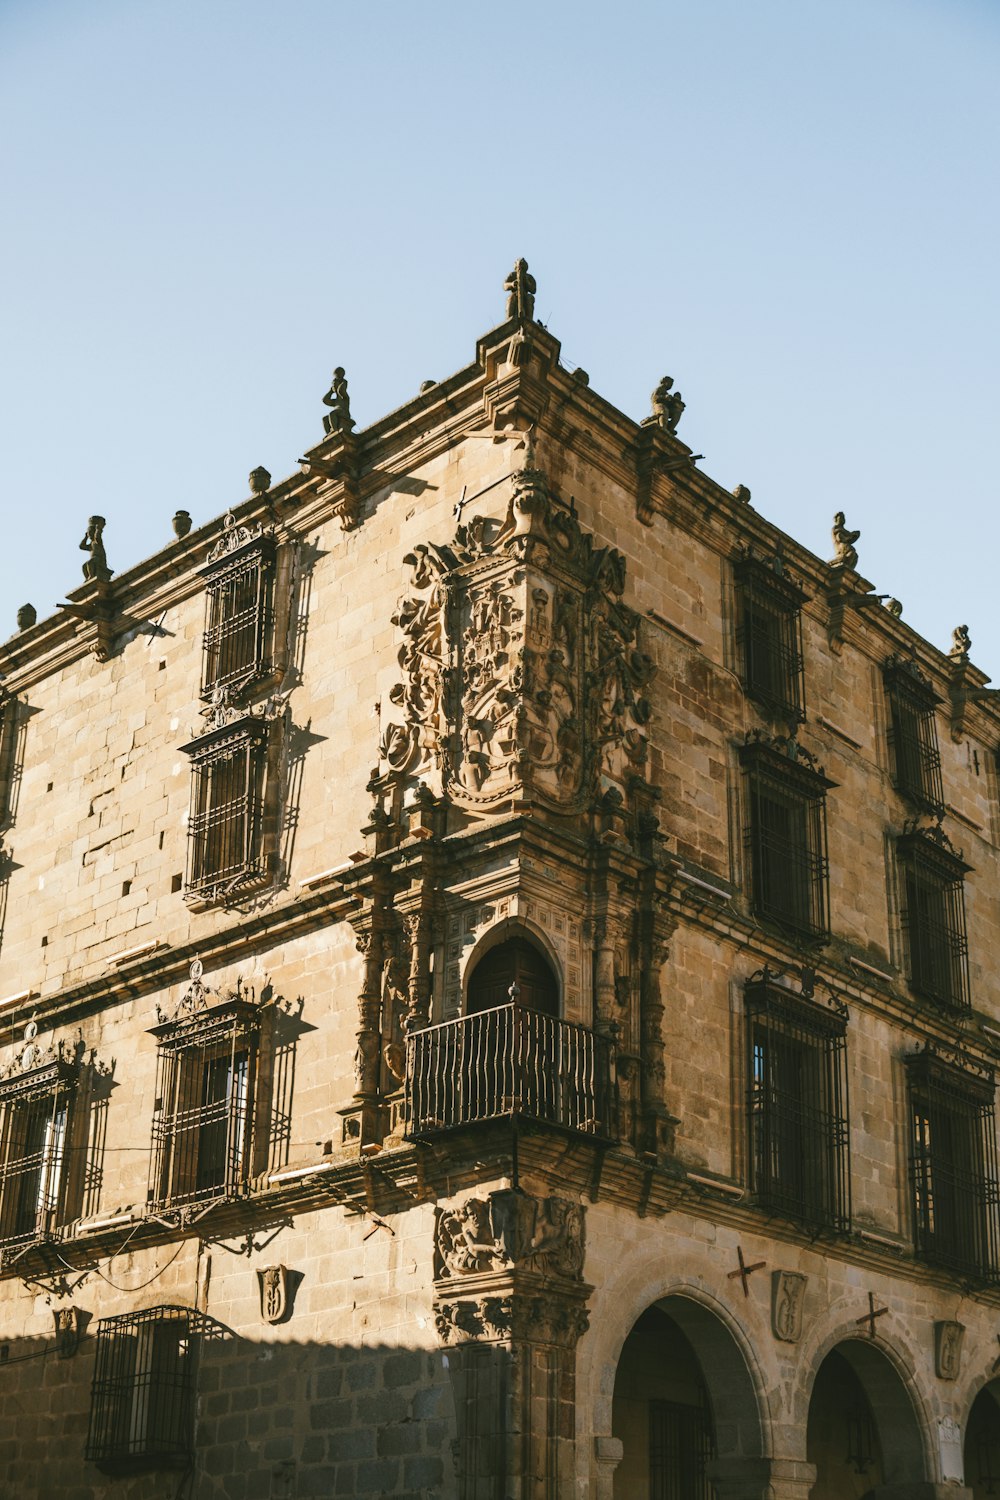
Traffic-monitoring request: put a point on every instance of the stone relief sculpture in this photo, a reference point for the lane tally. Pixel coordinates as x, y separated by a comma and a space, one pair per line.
511, 1229
788, 1291
521, 667
948, 1350
846, 554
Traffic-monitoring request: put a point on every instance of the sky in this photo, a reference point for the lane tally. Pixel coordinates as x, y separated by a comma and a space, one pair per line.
790, 206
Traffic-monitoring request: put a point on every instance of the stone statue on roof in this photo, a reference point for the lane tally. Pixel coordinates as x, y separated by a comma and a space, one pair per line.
520, 288
338, 419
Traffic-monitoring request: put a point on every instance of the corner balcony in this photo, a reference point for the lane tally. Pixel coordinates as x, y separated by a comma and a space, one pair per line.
510, 1063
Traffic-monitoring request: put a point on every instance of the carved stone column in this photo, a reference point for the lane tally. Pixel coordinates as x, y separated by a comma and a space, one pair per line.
362, 1123
511, 1306
659, 929
419, 933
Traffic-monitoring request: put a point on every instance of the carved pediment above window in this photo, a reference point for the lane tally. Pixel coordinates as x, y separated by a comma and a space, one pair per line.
41, 1065
523, 672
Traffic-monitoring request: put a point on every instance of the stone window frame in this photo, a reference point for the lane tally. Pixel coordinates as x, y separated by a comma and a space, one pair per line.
205, 1142
784, 836
238, 642
931, 891
142, 1402
911, 735
232, 834
797, 1103
27, 1097
768, 637
952, 1153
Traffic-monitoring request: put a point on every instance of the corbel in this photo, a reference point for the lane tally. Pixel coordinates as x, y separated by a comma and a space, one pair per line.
339, 467
95, 607
654, 452
843, 594
966, 684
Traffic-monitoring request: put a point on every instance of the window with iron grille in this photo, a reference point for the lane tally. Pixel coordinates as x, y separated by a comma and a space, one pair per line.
785, 835
953, 1165
797, 1108
226, 827
915, 761
769, 636
34, 1119
239, 610
142, 1398
204, 1119
932, 892
680, 1445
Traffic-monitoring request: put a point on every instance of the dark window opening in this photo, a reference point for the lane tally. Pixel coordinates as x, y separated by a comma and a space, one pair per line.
204, 1122
915, 760
932, 888
518, 964
785, 837
953, 1166
797, 1108
239, 618
32, 1173
680, 1446
142, 1398
769, 637
226, 824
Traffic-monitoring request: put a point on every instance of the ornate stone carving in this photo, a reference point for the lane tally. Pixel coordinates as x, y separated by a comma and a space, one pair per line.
96, 566
788, 1292
275, 1285
508, 1230
38, 1052
234, 536
845, 555
259, 481
181, 524
948, 1349
338, 419
520, 288
668, 406
961, 644
68, 1327
522, 669
539, 1318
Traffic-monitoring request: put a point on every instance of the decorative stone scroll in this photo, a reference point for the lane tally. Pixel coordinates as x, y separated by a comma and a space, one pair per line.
508, 1230
523, 671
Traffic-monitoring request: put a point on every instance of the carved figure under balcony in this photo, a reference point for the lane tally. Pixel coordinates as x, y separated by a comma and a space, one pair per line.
95, 569
522, 668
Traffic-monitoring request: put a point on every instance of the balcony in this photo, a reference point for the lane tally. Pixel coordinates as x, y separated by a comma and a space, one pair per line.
510, 1063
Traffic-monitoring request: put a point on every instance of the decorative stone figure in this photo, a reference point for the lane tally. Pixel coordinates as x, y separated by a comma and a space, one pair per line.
667, 404
948, 1349
260, 479
338, 419
68, 1324
181, 524
788, 1292
96, 567
26, 616
846, 555
961, 643
274, 1293
520, 288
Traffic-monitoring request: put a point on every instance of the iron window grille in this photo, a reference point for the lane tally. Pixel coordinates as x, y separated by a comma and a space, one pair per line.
239, 610
34, 1123
953, 1165
769, 637
797, 1105
785, 836
204, 1116
226, 825
142, 1398
681, 1443
915, 760
932, 890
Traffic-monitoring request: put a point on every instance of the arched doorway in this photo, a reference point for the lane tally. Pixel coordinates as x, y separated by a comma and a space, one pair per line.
519, 963
982, 1443
683, 1401
862, 1431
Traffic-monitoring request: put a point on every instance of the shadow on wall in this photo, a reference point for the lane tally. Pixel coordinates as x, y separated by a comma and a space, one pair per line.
274, 1421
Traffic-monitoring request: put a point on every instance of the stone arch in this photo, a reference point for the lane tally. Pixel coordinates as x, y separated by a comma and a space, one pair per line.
513, 929
735, 1383
882, 1366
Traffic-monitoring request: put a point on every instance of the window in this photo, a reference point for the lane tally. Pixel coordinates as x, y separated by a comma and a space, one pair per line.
797, 1104
915, 761
769, 636
785, 835
35, 1104
953, 1165
680, 1447
226, 829
204, 1119
142, 1399
8, 755
239, 622
932, 891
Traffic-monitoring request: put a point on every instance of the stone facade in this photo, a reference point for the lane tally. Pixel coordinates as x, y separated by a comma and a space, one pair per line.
498, 988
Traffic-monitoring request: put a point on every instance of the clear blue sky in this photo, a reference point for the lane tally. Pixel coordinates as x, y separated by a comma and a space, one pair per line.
790, 206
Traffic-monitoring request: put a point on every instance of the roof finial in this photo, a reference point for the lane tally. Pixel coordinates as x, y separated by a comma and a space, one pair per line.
520, 289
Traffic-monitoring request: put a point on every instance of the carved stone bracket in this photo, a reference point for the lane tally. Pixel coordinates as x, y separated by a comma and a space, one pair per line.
510, 1230
517, 1316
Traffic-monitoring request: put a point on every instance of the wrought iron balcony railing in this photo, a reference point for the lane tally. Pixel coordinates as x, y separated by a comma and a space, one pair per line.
510, 1062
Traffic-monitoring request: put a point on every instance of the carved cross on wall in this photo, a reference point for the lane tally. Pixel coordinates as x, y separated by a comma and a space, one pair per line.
743, 1270
870, 1316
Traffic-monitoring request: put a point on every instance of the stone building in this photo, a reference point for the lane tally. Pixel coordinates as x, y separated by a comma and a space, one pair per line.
498, 988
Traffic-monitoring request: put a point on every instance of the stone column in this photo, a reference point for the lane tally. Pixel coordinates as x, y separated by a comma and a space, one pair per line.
761, 1478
